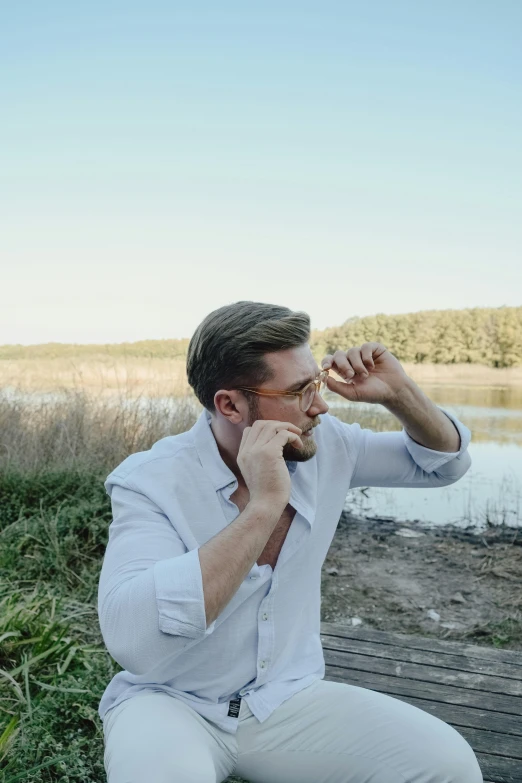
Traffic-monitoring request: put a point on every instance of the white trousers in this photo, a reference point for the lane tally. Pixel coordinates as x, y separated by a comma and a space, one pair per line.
329, 732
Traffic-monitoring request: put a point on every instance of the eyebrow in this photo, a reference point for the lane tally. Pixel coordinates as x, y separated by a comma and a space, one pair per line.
297, 386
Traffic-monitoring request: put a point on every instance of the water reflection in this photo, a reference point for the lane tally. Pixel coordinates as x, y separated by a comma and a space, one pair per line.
475, 396
490, 492
488, 425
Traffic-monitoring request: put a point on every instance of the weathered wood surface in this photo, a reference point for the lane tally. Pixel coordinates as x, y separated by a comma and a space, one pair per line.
477, 690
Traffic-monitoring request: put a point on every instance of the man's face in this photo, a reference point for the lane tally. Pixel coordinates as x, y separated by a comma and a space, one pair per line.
292, 369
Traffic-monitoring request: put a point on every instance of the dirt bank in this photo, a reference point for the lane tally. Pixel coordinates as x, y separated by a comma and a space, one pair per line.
446, 582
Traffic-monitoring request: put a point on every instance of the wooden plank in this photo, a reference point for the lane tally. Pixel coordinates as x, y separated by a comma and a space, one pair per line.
445, 661
498, 769
494, 744
427, 643
447, 694
415, 671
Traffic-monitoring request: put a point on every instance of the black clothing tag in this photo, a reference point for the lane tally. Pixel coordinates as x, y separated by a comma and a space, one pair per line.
233, 710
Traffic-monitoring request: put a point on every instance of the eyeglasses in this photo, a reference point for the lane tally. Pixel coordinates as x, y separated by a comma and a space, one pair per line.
306, 395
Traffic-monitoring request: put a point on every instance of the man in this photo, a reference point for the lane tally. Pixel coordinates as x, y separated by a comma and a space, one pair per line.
209, 594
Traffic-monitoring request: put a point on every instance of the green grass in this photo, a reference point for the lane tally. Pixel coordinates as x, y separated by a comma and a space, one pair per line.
53, 664
500, 634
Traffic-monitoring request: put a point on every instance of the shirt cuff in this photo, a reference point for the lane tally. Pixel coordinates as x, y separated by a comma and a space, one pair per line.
431, 460
179, 596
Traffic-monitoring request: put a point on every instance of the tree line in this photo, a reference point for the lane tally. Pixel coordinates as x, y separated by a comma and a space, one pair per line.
480, 335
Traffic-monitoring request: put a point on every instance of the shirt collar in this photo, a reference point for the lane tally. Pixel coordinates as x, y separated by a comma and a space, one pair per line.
209, 456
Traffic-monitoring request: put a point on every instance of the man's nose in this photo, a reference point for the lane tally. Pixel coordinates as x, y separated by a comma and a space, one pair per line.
318, 406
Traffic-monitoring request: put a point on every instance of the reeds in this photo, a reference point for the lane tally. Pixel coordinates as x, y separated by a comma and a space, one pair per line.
72, 429
98, 374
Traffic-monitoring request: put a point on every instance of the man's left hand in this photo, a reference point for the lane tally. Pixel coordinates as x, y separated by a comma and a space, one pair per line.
371, 373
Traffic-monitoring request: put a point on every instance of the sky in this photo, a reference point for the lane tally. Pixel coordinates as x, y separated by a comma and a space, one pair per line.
162, 159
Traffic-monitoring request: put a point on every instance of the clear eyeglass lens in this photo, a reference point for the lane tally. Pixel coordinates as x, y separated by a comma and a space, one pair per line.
307, 398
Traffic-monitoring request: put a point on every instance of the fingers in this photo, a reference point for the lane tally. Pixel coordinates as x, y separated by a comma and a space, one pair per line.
367, 356
268, 428
283, 437
264, 430
340, 364
352, 363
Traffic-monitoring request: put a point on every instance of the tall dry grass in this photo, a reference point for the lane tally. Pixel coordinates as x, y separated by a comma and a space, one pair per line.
100, 375
76, 430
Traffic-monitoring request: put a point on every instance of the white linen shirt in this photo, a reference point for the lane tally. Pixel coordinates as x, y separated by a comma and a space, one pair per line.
265, 645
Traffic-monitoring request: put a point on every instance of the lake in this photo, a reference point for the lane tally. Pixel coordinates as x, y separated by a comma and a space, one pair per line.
489, 493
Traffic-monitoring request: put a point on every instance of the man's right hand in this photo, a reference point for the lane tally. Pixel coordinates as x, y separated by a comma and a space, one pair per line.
260, 459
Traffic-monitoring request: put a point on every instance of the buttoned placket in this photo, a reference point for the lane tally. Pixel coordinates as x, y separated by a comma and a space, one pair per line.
266, 639
266, 636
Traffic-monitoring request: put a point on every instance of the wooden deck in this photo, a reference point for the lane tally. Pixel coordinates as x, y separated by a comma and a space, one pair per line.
477, 690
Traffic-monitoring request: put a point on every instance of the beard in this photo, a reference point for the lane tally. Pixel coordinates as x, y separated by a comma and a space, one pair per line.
290, 452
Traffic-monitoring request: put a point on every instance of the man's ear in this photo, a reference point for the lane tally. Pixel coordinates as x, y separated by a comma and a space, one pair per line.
231, 404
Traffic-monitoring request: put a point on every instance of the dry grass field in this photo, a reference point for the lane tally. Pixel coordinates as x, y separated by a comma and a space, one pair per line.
100, 376
154, 377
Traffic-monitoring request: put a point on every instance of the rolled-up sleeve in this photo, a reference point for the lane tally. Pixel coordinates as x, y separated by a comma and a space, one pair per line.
431, 460
150, 596
394, 459
179, 596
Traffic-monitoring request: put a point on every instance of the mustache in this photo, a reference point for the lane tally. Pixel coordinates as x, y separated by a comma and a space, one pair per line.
315, 424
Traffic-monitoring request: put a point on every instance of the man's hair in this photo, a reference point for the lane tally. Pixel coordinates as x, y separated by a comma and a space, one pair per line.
227, 349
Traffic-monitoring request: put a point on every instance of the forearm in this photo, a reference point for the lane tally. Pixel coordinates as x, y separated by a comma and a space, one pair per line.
228, 557
422, 420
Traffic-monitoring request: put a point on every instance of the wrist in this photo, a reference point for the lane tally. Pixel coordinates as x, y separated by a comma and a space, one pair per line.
402, 397
268, 505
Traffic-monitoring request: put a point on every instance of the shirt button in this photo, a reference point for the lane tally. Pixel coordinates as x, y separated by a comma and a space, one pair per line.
265, 616
254, 576
262, 664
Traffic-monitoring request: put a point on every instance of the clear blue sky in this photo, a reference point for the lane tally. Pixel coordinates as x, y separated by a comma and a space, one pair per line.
161, 159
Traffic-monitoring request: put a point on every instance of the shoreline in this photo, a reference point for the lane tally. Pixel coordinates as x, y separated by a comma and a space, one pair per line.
445, 582
381, 525
474, 375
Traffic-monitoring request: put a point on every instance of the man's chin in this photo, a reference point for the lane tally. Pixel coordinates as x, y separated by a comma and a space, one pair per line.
293, 454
